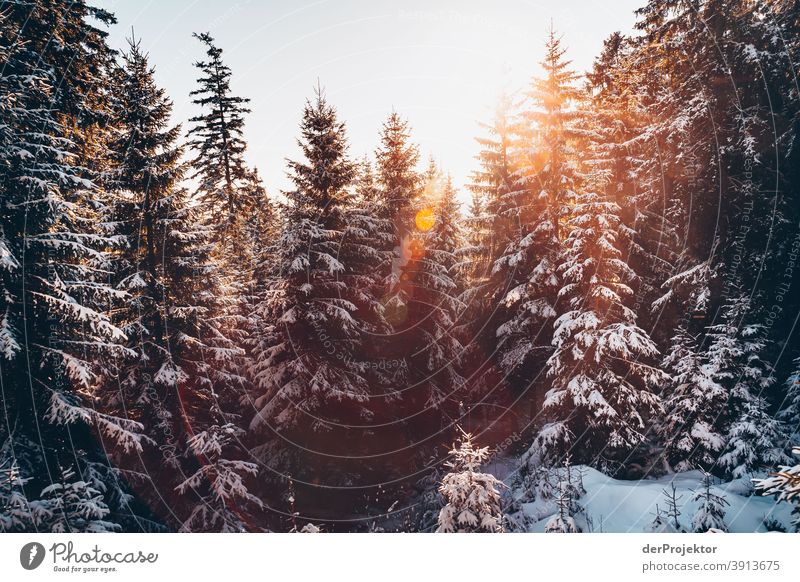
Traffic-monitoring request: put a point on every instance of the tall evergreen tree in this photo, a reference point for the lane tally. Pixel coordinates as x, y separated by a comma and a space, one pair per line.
308, 377
371, 235
433, 308
754, 438
53, 294
492, 184
547, 176
180, 378
218, 144
494, 225
235, 203
600, 403
621, 150
401, 186
694, 400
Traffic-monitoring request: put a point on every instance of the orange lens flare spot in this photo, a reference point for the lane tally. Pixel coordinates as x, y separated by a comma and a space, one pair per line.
425, 219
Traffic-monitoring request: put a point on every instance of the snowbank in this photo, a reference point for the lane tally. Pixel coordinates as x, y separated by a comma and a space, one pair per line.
630, 506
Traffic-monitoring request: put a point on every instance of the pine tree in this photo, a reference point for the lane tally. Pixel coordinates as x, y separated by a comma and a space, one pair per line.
497, 218
568, 490
710, 514
563, 521
181, 372
54, 332
693, 402
705, 80
74, 506
600, 401
660, 523
619, 154
673, 513
497, 221
220, 482
308, 378
474, 256
401, 185
789, 412
547, 177
754, 438
433, 307
371, 234
253, 257
218, 144
17, 513
784, 485
235, 203
473, 498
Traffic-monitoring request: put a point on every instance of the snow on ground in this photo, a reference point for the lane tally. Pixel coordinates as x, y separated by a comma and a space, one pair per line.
630, 506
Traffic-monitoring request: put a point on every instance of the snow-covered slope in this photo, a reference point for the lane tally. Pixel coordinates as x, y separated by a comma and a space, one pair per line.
630, 506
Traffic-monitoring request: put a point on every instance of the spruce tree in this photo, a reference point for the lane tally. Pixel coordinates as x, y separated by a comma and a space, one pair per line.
401, 185
234, 201
495, 223
180, 375
789, 412
54, 331
497, 218
619, 149
433, 308
754, 438
563, 521
217, 142
473, 498
547, 176
308, 376
371, 235
601, 402
710, 513
694, 401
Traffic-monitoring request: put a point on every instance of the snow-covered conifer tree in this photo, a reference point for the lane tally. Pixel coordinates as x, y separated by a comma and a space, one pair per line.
235, 205
600, 402
54, 332
473, 498
784, 485
17, 513
754, 438
181, 371
710, 513
219, 482
789, 412
673, 510
217, 142
433, 306
308, 376
546, 178
563, 521
400, 185
567, 491
660, 523
498, 220
694, 402
74, 506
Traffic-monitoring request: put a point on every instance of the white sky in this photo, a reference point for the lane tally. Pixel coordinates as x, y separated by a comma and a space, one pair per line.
440, 64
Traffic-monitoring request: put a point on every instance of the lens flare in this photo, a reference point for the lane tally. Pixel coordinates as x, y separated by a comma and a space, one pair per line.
425, 219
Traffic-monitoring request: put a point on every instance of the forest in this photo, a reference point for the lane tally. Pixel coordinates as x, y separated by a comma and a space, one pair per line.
184, 349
